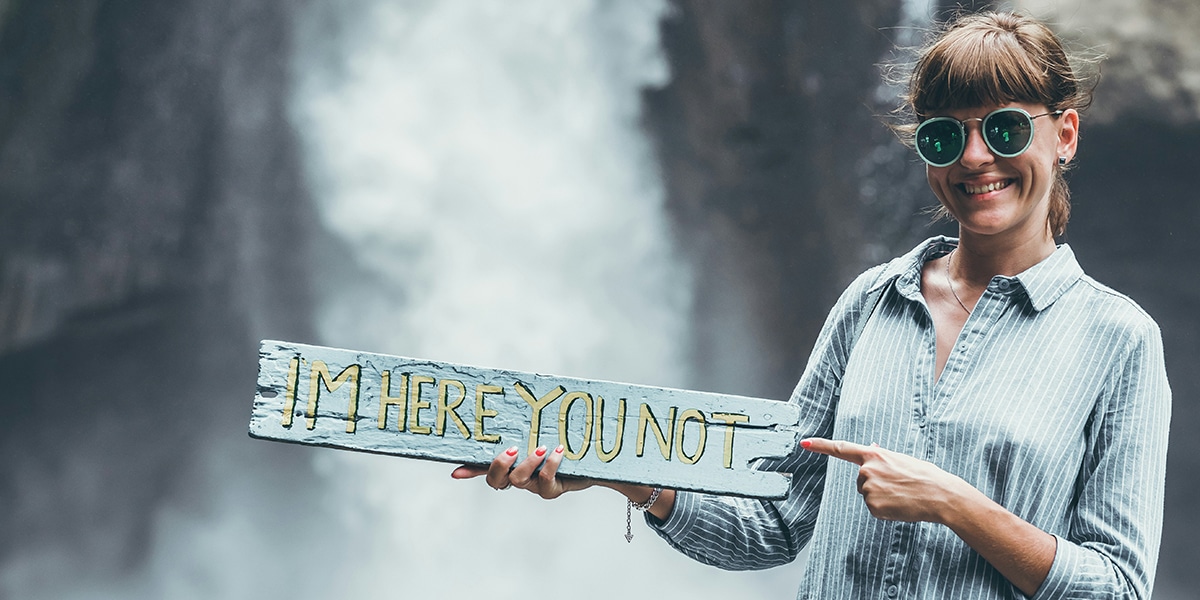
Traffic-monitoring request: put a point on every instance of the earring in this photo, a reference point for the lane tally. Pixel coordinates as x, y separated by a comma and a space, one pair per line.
1062, 161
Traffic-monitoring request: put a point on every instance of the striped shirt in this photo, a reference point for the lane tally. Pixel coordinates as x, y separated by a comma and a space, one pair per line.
1054, 403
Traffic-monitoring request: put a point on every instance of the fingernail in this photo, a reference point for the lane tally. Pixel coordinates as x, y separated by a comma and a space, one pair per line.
541, 451
559, 449
511, 451
805, 443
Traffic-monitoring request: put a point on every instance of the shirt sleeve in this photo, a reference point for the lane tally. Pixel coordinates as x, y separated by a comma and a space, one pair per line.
1112, 547
745, 533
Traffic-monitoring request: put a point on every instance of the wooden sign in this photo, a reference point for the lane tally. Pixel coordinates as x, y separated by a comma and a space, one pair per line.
460, 414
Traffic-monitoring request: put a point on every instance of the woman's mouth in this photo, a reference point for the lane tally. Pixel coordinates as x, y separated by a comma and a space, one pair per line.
977, 189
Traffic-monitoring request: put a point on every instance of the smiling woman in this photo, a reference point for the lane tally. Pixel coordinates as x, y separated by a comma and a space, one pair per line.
999, 418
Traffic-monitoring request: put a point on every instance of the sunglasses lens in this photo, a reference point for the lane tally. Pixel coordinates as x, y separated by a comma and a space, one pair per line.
940, 141
1008, 132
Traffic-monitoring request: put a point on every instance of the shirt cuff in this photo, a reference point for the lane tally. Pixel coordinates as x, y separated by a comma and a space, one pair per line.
1066, 565
680, 519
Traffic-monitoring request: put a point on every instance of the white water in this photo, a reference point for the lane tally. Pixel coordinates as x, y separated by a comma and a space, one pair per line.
483, 165
485, 168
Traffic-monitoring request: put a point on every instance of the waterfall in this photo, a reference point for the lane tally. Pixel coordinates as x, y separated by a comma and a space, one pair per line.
482, 168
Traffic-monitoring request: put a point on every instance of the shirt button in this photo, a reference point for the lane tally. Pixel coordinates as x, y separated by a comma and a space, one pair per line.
892, 591
1004, 284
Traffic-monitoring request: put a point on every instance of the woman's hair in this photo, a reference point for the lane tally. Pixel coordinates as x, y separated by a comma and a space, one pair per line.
991, 59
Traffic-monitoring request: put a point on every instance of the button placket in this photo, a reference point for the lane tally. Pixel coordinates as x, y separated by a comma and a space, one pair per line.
923, 384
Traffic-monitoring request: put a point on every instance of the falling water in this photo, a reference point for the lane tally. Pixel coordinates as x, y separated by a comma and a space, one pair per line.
483, 169
499, 205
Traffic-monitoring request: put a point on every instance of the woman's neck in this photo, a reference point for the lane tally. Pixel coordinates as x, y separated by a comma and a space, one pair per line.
979, 258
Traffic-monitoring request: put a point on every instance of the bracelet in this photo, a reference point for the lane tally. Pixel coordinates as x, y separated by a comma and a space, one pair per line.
644, 506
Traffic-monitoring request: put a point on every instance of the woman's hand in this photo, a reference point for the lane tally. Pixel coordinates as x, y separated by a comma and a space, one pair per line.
503, 473
899, 487
895, 486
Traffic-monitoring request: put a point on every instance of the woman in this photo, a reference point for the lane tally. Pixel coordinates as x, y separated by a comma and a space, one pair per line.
998, 422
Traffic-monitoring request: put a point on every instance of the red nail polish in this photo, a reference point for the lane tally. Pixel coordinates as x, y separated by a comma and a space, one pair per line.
805, 443
559, 449
511, 451
540, 451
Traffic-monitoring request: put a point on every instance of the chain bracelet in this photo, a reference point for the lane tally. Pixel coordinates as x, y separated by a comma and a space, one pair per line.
630, 505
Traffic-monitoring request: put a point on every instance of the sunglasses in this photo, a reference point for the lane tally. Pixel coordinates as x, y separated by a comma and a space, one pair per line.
1007, 132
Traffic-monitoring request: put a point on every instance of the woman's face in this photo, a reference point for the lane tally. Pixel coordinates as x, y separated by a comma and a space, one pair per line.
996, 197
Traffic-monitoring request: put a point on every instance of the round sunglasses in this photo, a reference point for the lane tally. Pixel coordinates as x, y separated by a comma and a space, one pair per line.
1007, 132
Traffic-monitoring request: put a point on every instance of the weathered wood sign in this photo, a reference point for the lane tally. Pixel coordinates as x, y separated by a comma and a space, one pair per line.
462, 414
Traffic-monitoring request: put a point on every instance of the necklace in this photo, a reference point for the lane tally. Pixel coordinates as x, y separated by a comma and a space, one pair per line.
950, 282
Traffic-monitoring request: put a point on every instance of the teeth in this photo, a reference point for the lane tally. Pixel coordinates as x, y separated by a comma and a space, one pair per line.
983, 189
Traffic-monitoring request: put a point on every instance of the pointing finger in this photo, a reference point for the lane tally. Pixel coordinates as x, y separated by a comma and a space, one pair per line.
847, 451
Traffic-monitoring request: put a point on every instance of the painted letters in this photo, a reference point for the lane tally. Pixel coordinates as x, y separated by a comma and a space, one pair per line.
424, 409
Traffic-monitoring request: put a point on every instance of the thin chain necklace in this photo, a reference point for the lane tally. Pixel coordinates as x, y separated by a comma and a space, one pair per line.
950, 282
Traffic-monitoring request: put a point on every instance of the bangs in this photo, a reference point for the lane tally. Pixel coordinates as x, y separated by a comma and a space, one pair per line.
980, 67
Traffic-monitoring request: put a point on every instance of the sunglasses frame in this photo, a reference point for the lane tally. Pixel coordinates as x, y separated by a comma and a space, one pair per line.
962, 130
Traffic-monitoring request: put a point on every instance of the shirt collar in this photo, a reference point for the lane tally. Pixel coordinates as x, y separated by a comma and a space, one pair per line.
1048, 280
1043, 283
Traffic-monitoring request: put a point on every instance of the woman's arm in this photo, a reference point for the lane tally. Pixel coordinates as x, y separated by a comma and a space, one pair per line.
898, 487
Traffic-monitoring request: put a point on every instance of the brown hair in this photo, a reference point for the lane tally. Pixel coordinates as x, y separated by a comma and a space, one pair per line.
990, 59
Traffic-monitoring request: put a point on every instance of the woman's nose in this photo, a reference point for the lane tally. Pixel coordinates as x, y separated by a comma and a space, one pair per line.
976, 153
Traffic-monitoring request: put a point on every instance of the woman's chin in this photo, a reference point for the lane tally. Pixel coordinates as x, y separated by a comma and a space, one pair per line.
997, 227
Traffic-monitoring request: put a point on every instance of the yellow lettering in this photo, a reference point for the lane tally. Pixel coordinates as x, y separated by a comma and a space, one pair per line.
447, 408
729, 419
289, 399
563, 412
607, 456
481, 413
319, 376
386, 399
646, 417
414, 417
692, 415
537, 404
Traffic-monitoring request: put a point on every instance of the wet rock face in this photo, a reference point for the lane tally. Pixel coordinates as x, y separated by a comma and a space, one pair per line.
763, 134
62, 145
1133, 223
145, 166
142, 144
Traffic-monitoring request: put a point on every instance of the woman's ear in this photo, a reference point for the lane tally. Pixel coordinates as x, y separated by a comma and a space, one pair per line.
1068, 133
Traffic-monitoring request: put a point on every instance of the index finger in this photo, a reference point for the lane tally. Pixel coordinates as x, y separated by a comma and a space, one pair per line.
848, 451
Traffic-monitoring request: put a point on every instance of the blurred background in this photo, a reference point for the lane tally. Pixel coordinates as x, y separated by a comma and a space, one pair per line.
665, 193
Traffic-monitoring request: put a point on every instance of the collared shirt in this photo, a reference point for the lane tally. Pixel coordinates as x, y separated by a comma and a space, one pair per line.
1053, 402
